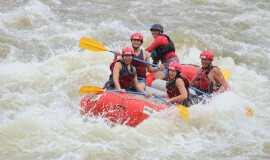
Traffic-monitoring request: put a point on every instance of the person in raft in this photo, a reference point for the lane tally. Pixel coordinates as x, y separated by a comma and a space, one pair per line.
209, 78
141, 68
161, 49
177, 87
124, 74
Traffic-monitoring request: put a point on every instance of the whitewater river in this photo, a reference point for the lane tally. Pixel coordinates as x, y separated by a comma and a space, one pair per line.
42, 68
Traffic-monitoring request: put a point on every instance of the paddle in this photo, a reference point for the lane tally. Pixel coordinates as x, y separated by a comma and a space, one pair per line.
226, 74
94, 45
86, 89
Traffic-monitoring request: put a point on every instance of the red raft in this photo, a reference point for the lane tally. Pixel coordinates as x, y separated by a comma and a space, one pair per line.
119, 108
125, 109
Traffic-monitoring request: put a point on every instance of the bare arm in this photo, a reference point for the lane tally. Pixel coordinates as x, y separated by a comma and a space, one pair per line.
219, 78
164, 95
117, 56
149, 67
116, 71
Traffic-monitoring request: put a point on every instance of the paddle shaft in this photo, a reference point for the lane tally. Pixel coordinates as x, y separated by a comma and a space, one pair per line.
199, 91
163, 99
140, 60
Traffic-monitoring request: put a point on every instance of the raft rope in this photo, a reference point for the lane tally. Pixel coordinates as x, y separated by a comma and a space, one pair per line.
150, 103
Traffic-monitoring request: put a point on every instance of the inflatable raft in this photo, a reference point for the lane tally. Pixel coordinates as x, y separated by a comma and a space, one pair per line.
119, 108
125, 109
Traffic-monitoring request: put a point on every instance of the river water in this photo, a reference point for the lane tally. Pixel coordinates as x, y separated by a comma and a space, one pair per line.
42, 68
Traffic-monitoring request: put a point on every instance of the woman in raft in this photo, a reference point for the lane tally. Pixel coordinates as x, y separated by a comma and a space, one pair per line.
124, 76
177, 87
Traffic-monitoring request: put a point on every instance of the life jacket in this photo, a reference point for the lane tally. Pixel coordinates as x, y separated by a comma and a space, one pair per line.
126, 77
140, 67
202, 82
173, 91
160, 52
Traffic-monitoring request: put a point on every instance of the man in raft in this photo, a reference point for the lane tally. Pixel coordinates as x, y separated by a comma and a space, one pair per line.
177, 87
161, 49
209, 78
141, 68
124, 75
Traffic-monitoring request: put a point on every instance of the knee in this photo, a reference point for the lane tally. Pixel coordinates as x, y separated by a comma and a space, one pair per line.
159, 75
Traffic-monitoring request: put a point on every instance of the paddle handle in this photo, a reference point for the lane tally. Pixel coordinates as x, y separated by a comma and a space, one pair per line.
136, 59
199, 91
145, 62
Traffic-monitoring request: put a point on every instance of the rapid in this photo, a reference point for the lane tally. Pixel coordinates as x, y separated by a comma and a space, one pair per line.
42, 68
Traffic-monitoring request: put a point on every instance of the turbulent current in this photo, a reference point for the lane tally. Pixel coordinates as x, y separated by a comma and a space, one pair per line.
42, 68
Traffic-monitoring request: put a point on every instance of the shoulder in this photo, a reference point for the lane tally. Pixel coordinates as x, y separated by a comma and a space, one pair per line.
161, 37
118, 64
179, 82
215, 69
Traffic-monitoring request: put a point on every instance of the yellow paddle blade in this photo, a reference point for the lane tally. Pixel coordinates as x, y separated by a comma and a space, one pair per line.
249, 111
90, 89
183, 111
226, 74
92, 45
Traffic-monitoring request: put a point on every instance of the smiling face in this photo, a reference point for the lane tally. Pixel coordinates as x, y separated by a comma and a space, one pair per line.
136, 43
206, 62
155, 33
127, 59
172, 73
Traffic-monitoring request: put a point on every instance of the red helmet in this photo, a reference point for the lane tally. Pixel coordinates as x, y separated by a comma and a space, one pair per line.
206, 55
128, 51
137, 35
175, 66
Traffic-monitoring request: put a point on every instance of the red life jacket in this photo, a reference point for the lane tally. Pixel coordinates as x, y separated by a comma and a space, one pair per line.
202, 82
173, 91
126, 77
140, 67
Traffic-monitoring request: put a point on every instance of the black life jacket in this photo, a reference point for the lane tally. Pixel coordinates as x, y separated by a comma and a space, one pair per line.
126, 78
161, 51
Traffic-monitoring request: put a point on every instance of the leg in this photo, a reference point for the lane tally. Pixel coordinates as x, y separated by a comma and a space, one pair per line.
142, 82
161, 74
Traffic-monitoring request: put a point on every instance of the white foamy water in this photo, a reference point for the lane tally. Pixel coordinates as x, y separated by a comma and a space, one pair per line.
42, 69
